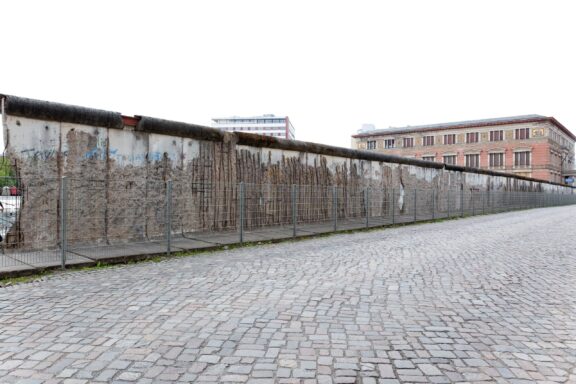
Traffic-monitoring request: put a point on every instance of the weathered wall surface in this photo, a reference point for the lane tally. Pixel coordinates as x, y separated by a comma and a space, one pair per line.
117, 175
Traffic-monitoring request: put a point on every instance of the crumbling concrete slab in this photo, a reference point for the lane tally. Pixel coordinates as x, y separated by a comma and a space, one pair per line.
46, 259
120, 251
183, 243
13, 267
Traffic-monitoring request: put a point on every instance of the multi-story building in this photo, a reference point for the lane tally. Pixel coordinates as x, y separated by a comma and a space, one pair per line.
531, 145
267, 125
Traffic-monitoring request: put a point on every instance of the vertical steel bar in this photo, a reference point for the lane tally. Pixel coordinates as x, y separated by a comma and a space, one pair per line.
168, 221
294, 210
462, 201
393, 206
335, 206
433, 203
415, 204
63, 219
367, 205
448, 202
241, 212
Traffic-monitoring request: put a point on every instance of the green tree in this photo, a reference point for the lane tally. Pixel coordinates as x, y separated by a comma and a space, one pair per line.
7, 174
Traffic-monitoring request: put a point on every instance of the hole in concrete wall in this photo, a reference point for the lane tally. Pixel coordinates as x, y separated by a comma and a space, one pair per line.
2, 132
10, 195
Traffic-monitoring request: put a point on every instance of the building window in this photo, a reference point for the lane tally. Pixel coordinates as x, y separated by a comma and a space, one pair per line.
408, 142
428, 158
496, 135
389, 143
473, 161
496, 160
371, 144
428, 140
522, 133
472, 137
522, 159
450, 159
450, 139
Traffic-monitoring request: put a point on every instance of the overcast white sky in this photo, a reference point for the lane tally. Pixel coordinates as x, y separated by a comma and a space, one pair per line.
329, 65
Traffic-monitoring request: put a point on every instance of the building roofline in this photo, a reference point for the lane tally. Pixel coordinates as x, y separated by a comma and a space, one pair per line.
18, 106
468, 124
249, 117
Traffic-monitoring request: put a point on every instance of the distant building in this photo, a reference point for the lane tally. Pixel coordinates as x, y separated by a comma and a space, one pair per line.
267, 125
531, 145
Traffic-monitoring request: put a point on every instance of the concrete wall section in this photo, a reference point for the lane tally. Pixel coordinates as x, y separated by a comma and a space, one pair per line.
118, 177
34, 147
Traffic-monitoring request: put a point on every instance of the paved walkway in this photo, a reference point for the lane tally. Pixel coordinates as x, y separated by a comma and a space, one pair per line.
483, 299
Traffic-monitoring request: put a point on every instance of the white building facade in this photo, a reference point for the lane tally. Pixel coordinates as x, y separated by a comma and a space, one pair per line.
267, 125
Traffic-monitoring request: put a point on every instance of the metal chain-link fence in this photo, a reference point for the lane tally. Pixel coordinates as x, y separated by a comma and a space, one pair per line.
59, 222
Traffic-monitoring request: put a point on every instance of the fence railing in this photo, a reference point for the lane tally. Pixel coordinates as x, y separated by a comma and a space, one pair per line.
69, 220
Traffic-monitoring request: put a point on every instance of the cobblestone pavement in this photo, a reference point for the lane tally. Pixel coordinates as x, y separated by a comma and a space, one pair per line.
484, 299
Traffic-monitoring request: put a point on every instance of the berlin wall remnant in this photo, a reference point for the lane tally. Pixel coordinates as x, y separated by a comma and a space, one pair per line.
117, 169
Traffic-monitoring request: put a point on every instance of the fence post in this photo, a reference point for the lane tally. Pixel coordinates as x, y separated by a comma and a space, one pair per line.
168, 218
294, 210
483, 203
462, 201
511, 200
367, 205
448, 203
393, 206
433, 204
241, 212
473, 200
63, 217
335, 206
415, 204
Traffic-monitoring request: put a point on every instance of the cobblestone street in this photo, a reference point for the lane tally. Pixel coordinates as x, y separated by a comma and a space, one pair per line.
483, 299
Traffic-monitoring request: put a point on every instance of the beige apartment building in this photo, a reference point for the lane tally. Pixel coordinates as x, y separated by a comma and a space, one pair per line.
530, 145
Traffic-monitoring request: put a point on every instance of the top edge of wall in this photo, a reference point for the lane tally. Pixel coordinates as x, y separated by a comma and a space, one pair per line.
45, 110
